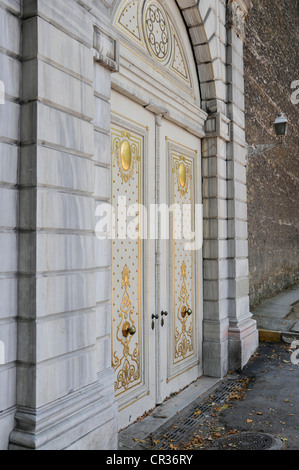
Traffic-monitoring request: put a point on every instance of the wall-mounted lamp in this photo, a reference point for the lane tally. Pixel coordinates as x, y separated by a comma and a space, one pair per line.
281, 126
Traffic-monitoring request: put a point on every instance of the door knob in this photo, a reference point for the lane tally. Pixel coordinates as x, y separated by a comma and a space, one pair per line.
186, 311
128, 330
132, 330
164, 313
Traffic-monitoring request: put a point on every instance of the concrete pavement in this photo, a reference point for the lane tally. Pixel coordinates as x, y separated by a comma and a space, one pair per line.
278, 316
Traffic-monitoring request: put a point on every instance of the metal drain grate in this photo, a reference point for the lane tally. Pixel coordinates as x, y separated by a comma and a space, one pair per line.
190, 421
247, 441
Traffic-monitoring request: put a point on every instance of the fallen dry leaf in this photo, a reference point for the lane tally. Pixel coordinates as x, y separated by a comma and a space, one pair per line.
172, 447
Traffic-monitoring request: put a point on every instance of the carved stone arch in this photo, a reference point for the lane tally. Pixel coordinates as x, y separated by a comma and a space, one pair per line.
195, 15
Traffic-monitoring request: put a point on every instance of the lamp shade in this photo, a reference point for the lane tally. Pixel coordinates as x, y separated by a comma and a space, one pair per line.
281, 125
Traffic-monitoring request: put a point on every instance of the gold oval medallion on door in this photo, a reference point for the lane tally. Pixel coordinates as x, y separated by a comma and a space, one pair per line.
182, 168
183, 175
125, 155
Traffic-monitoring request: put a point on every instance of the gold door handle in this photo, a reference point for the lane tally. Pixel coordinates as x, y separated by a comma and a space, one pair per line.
128, 330
186, 311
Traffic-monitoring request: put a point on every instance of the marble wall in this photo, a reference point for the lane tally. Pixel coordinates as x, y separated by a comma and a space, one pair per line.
10, 114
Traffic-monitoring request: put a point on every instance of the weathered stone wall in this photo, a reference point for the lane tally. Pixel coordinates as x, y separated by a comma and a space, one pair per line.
271, 66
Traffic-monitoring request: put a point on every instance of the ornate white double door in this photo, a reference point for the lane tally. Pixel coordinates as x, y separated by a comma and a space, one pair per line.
156, 268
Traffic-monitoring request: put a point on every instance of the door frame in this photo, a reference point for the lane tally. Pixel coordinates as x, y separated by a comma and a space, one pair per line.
152, 392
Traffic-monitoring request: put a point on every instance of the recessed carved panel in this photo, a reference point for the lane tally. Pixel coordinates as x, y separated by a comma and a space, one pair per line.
149, 24
128, 19
126, 269
179, 62
183, 295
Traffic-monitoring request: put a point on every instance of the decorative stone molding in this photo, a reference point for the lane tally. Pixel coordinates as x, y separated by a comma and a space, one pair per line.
236, 15
218, 125
106, 49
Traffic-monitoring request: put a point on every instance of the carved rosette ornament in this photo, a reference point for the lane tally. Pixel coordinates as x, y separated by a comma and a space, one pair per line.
157, 32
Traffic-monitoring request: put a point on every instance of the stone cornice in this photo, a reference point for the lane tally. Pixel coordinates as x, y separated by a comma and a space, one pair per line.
236, 15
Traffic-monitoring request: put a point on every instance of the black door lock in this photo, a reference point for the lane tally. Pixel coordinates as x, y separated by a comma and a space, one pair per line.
163, 314
154, 317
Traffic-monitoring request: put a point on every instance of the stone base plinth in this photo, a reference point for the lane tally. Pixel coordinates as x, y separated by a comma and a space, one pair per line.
86, 419
243, 342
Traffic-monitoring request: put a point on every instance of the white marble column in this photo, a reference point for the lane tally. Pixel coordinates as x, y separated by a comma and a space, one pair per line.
242, 332
10, 110
215, 249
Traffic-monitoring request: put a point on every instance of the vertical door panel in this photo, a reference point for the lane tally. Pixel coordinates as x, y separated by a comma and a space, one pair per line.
132, 341
181, 334
127, 261
181, 262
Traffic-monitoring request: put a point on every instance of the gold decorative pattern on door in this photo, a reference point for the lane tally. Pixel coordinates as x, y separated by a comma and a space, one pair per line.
126, 269
183, 295
183, 334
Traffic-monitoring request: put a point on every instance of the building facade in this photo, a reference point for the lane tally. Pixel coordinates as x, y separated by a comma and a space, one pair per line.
134, 104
